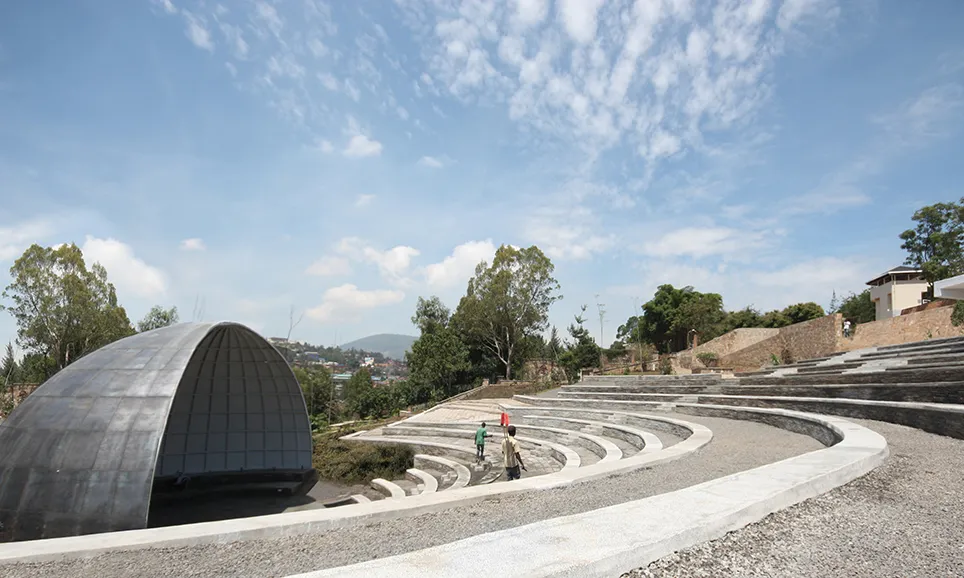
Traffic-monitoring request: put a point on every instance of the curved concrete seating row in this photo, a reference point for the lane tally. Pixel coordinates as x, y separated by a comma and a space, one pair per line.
638, 532
434, 449
640, 439
937, 418
428, 482
942, 392
324, 519
601, 447
563, 454
361, 499
390, 489
462, 473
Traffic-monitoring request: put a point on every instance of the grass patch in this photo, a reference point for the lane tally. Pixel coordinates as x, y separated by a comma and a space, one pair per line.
355, 462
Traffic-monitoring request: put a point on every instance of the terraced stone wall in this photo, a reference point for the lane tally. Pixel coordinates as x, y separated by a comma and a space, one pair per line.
815, 338
726, 344
929, 324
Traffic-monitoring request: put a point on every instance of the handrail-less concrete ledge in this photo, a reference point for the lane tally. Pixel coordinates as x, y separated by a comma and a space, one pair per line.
428, 481
640, 439
390, 489
605, 449
638, 532
319, 520
561, 453
462, 473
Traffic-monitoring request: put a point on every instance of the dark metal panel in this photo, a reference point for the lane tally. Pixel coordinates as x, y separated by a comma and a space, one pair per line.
81, 453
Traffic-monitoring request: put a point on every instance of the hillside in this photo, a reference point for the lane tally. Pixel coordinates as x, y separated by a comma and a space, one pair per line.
388, 344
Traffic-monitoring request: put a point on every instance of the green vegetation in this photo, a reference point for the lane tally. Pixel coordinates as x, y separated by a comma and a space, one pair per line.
707, 358
355, 462
957, 316
158, 317
583, 352
934, 245
673, 315
857, 307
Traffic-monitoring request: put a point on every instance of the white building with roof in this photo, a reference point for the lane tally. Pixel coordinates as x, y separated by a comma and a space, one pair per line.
896, 290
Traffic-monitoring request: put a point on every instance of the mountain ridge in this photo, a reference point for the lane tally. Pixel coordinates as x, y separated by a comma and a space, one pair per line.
393, 345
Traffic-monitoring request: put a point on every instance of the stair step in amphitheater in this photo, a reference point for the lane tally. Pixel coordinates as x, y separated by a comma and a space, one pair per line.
626, 476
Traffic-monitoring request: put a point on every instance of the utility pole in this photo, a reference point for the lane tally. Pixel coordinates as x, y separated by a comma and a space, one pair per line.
602, 314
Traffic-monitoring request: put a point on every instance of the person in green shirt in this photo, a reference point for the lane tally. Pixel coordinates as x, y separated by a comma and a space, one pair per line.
480, 435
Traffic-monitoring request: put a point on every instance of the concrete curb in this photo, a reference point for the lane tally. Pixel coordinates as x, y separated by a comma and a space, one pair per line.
636, 533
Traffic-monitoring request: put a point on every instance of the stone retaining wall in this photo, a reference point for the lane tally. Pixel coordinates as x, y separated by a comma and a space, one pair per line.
814, 338
919, 326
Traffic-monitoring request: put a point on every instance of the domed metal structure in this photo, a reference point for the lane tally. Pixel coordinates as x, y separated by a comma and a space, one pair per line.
193, 404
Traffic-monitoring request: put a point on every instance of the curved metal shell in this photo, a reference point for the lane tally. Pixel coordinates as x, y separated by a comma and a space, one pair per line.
81, 453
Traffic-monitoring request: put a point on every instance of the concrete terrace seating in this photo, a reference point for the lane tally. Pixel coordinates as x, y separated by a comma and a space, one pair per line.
460, 474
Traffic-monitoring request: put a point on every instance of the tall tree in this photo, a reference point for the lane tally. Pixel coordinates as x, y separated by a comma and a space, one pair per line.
439, 358
63, 309
699, 312
158, 317
507, 301
318, 388
583, 352
9, 370
357, 389
934, 245
430, 315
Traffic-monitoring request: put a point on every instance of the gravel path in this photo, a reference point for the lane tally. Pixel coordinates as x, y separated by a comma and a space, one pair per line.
904, 519
736, 446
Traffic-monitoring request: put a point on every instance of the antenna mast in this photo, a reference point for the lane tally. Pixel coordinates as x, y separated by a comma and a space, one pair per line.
602, 314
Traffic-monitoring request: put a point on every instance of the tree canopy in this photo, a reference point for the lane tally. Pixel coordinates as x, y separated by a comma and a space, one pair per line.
507, 301
583, 352
934, 245
158, 317
62, 308
858, 307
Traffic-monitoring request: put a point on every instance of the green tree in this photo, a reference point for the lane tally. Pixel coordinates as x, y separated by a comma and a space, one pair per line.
774, 319
431, 315
357, 391
699, 312
63, 309
9, 370
800, 312
934, 245
583, 352
158, 317
746, 317
318, 389
859, 308
507, 301
439, 359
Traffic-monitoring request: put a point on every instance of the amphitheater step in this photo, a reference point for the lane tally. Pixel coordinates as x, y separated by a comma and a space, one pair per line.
426, 482
390, 489
461, 473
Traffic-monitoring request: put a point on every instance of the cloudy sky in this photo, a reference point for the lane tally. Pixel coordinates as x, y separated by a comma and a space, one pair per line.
238, 158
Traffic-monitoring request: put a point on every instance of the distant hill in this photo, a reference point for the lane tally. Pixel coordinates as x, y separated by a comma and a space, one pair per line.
388, 344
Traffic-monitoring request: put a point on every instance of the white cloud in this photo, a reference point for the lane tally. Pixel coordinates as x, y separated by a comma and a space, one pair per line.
15, 239
325, 147
364, 201
432, 162
167, 6
197, 32
701, 242
530, 12
579, 18
194, 244
330, 266
128, 273
393, 264
567, 232
457, 268
347, 301
328, 81
361, 146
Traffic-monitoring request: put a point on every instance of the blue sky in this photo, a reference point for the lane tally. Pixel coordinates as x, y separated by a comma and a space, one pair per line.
241, 158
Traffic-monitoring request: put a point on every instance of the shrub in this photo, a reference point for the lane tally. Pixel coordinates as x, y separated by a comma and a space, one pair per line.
707, 358
354, 462
774, 360
957, 316
665, 366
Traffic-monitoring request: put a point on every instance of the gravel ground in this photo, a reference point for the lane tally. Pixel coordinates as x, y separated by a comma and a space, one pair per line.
904, 519
736, 446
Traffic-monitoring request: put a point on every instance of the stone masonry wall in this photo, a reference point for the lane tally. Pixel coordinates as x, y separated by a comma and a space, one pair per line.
726, 344
814, 338
929, 324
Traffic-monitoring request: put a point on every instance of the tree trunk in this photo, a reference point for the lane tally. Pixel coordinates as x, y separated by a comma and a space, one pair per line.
508, 365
